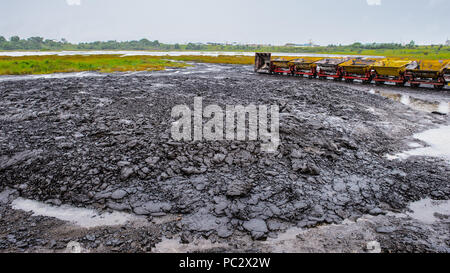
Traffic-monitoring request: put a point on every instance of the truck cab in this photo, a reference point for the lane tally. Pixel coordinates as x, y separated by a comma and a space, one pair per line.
262, 62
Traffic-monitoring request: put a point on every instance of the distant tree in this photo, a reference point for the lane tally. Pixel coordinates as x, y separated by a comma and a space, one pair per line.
177, 46
145, 42
412, 44
37, 40
15, 39
156, 43
2, 39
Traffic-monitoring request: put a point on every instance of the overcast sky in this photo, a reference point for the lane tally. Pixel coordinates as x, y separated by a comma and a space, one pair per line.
244, 21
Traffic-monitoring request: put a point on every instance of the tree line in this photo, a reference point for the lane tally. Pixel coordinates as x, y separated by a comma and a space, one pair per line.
39, 43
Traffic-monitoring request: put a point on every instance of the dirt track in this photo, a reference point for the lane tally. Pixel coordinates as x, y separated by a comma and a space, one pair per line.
104, 143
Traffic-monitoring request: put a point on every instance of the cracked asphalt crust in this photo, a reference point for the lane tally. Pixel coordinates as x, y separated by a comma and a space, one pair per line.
104, 143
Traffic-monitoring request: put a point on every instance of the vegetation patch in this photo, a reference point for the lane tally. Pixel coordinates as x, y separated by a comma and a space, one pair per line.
100, 63
410, 50
106, 63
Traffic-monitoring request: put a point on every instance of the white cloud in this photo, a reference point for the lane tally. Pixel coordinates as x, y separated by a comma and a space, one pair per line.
73, 2
373, 2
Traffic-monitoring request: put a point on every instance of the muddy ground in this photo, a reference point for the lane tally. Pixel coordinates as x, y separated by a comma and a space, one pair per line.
103, 142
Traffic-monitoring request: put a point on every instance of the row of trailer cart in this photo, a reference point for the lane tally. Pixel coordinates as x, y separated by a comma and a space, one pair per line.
379, 70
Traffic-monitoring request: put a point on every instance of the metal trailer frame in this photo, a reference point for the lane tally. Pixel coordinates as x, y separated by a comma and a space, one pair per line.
416, 82
399, 81
367, 78
311, 74
338, 76
275, 69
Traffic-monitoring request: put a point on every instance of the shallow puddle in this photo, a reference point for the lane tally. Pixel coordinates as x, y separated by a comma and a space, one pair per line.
51, 76
166, 53
438, 144
441, 107
82, 217
425, 210
285, 241
174, 246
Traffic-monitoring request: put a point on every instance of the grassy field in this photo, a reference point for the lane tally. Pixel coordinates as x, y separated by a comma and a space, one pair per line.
101, 63
428, 52
425, 53
105, 63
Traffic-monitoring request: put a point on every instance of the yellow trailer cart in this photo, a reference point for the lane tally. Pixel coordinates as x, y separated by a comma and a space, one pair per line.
358, 69
427, 72
447, 73
390, 70
305, 66
281, 65
329, 67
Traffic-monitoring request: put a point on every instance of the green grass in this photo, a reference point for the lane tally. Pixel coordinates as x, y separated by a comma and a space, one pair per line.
101, 63
105, 63
417, 52
425, 53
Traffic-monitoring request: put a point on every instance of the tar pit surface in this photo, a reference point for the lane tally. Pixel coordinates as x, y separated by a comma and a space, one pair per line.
100, 146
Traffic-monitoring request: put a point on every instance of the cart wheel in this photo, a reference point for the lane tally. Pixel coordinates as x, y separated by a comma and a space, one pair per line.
348, 80
337, 79
379, 83
399, 84
322, 78
415, 85
438, 87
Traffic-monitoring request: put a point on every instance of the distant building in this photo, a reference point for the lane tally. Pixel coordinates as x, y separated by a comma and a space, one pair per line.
296, 45
257, 45
214, 44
